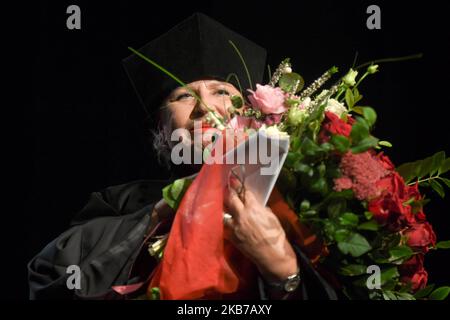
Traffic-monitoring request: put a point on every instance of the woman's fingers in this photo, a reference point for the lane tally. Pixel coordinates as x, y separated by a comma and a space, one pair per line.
250, 200
234, 204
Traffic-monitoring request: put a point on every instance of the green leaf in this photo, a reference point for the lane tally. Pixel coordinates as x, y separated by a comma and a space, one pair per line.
349, 98
349, 219
335, 207
326, 146
438, 160
321, 169
365, 144
446, 181
353, 270
288, 81
341, 235
301, 167
356, 96
436, 186
388, 274
309, 147
292, 159
155, 293
385, 143
409, 170
371, 225
329, 228
424, 292
309, 213
319, 186
360, 130
443, 244
173, 193
355, 245
440, 293
295, 143
400, 253
340, 142
368, 215
445, 166
426, 167
358, 110
389, 295
404, 296
370, 115
167, 196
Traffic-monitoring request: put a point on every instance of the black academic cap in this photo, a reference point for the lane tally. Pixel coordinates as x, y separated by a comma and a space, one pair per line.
194, 49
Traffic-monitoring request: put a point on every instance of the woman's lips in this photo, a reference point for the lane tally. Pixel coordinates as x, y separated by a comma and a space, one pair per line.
203, 128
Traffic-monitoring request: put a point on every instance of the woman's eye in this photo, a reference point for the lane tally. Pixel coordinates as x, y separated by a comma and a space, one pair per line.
222, 92
183, 96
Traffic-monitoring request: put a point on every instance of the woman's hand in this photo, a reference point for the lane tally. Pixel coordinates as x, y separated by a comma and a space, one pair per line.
257, 233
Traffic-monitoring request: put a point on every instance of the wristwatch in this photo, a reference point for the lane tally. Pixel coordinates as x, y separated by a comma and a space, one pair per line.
290, 284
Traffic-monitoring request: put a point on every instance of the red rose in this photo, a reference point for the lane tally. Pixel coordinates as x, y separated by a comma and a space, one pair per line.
412, 265
412, 271
394, 187
393, 184
420, 236
385, 161
332, 124
418, 280
388, 210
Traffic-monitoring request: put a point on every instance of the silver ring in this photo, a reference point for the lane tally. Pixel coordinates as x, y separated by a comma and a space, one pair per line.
227, 218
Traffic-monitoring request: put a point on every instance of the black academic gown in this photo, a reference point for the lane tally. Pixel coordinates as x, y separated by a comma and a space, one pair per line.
108, 240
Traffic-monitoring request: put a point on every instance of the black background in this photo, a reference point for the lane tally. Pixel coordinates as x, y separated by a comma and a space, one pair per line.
84, 128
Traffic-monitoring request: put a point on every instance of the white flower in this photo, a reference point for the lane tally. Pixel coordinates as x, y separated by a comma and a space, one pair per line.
296, 115
336, 107
305, 103
274, 131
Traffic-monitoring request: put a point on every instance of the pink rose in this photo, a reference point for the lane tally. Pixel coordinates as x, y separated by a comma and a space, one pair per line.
272, 119
268, 99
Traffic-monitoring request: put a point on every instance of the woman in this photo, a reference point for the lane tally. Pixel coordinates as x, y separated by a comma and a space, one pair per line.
109, 238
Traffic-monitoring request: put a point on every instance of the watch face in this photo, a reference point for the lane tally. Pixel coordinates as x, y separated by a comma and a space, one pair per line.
292, 284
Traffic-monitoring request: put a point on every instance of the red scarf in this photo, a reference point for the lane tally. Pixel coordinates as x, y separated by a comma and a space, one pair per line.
198, 263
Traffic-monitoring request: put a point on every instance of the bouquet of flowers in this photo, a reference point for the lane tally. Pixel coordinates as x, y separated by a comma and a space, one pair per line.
368, 213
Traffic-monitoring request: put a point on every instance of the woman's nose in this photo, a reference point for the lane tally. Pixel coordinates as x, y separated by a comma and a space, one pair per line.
200, 109
205, 102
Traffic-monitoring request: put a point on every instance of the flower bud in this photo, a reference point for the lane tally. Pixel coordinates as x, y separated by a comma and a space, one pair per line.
372, 69
349, 78
287, 69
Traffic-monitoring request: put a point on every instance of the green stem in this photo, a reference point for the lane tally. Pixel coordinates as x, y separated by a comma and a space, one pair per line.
269, 71
423, 180
243, 62
234, 76
171, 75
361, 79
395, 59
341, 91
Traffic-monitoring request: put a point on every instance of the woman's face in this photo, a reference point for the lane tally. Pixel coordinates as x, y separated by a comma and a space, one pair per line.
184, 108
